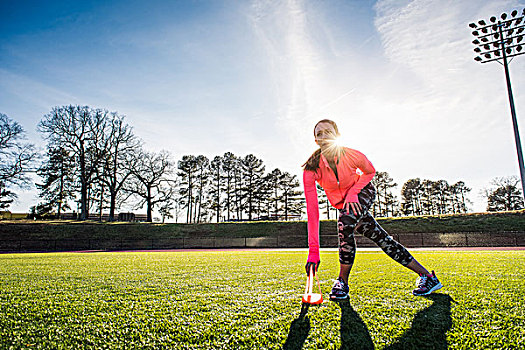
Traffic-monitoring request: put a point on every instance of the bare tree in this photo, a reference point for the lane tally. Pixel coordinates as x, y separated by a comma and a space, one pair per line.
82, 132
16, 157
151, 180
118, 160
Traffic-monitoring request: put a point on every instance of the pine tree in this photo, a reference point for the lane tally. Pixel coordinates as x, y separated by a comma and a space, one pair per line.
505, 194
384, 197
203, 164
292, 202
323, 202
459, 199
252, 172
59, 186
188, 168
411, 197
229, 163
274, 180
216, 185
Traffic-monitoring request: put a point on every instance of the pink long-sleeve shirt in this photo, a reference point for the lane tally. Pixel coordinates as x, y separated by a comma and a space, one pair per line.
340, 190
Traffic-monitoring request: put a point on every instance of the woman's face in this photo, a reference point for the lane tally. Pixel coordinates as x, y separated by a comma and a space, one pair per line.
325, 134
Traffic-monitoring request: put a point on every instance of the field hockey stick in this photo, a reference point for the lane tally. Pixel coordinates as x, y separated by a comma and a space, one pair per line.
309, 297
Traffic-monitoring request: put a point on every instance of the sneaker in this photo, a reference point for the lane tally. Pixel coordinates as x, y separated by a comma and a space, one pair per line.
426, 284
339, 290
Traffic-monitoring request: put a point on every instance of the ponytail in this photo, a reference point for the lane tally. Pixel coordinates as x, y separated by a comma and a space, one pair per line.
312, 163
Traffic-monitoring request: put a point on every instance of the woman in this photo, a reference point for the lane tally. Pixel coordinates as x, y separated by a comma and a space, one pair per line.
334, 168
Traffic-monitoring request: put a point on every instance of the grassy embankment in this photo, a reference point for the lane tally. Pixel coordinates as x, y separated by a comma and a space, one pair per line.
477, 222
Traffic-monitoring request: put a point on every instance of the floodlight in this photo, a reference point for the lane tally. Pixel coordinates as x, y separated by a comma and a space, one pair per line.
501, 39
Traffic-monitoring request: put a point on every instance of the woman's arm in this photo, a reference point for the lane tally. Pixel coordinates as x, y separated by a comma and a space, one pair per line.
312, 210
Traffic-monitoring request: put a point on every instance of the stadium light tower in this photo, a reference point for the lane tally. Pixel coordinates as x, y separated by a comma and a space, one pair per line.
498, 40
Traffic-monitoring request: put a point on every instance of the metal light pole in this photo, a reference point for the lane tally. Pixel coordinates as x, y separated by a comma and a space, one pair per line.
501, 39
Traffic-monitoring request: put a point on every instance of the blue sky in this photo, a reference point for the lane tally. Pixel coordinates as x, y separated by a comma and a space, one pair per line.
208, 77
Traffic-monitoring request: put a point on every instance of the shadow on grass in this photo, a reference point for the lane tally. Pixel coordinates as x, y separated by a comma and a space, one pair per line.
299, 330
428, 331
354, 333
429, 327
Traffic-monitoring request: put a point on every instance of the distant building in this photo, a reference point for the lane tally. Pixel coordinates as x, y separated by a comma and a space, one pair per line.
126, 217
7, 215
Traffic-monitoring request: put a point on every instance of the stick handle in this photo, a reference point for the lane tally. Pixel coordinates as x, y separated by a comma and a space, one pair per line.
318, 284
307, 284
311, 280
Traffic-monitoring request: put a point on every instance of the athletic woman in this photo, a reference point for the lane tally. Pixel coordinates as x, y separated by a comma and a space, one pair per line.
335, 169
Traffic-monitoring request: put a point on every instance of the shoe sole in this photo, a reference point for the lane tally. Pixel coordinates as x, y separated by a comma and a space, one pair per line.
433, 289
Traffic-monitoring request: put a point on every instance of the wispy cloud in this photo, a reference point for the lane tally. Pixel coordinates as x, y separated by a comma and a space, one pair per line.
282, 29
33, 92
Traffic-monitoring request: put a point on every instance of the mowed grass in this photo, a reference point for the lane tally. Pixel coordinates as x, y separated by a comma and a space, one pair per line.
251, 300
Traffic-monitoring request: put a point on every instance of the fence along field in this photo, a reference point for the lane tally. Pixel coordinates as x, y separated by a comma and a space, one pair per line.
464, 230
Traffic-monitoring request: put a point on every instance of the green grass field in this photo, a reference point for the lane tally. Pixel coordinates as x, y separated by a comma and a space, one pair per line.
251, 300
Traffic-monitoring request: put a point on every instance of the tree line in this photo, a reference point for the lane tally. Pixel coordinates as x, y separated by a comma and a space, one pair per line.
93, 159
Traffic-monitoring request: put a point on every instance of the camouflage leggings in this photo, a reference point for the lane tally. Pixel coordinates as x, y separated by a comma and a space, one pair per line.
365, 224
